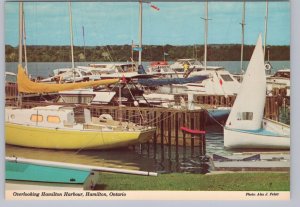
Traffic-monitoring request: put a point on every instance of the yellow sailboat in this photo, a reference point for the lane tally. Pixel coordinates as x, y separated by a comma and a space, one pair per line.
57, 127
25, 85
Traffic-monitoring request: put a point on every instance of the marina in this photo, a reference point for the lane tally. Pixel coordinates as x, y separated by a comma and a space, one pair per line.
73, 122
165, 152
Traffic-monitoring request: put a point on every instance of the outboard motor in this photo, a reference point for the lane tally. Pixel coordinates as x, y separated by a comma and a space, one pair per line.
141, 70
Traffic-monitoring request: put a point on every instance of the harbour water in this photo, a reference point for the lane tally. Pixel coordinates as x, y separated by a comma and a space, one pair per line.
144, 157
44, 69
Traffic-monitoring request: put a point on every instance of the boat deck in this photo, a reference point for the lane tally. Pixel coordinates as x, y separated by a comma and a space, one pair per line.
260, 132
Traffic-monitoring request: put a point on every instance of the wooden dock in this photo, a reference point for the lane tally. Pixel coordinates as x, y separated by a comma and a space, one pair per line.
273, 161
274, 107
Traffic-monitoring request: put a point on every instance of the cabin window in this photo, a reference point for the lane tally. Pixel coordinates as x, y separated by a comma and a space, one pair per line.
12, 116
226, 78
36, 118
245, 115
53, 119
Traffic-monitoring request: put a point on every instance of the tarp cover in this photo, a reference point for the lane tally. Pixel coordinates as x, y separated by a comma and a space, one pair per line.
167, 81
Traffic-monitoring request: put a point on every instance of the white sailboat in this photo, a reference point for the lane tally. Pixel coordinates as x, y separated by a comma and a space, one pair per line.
245, 126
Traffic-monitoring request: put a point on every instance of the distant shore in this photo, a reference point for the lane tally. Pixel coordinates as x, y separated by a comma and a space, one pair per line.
119, 53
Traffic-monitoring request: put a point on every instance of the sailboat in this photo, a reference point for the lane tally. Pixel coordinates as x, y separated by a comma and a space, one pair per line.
25, 174
58, 127
32, 174
245, 126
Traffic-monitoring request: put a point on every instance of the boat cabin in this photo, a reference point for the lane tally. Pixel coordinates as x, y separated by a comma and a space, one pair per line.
53, 116
69, 74
284, 73
10, 77
112, 67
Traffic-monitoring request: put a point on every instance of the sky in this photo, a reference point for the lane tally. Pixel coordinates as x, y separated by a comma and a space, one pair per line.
176, 23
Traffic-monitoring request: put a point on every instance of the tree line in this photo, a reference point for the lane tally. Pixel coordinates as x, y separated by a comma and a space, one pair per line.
228, 52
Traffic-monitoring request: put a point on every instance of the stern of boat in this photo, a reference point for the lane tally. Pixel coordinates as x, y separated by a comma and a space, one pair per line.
146, 134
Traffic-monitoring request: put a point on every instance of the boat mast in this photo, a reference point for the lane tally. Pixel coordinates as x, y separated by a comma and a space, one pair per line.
243, 33
266, 26
140, 30
71, 37
19, 99
83, 42
205, 35
120, 103
20, 31
132, 58
24, 42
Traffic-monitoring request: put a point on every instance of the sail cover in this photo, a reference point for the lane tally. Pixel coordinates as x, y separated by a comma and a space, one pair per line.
248, 108
167, 81
25, 85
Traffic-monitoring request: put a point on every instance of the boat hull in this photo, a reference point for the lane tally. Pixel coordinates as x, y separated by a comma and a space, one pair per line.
241, 139
218, 115
51, 138
26, 176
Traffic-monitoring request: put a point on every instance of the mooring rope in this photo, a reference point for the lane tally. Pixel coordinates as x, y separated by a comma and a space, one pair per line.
213, 118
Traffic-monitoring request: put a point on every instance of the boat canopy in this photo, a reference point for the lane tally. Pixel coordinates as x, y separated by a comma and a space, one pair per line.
25, 85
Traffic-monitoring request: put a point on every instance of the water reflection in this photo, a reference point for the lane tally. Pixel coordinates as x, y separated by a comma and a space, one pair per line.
146, 157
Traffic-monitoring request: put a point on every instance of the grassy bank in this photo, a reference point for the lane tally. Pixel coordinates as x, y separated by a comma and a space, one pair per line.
196, 182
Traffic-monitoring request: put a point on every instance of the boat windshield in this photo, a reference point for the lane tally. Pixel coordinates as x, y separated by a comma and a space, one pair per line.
282, 74
226, 78
86, 73
125, 68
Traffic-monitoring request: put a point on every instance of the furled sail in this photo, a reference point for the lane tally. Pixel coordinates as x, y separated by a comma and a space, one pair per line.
25, 85
248, 108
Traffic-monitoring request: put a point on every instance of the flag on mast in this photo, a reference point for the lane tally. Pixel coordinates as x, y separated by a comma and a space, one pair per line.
153, 6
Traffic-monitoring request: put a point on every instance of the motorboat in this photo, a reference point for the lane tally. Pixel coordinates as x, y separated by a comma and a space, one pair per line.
178, 66
69, 75
281, 79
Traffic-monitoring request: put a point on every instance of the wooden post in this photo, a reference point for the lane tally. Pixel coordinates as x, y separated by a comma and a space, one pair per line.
203, 144
184, 138
192, 136
201, 126
162, 129
169, 135
176, 132
155, 134
148, 143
